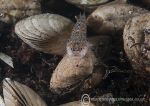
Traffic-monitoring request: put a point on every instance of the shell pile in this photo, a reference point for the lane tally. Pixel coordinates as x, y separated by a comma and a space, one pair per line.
48, 33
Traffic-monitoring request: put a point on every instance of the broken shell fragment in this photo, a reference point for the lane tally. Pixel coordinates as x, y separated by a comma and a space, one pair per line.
45, 32
13, 10
17, 94
71, 73
136, 38
111, 19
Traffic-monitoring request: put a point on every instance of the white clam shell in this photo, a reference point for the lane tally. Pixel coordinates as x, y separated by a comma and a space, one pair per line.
17, 94
45, 32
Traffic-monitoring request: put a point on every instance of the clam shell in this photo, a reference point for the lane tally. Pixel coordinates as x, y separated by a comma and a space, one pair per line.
2, 101
111, 19
137, 31
17, 94
13, 10
71, 73
45, 32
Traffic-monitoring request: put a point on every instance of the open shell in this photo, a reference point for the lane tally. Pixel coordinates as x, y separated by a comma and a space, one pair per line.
111, 19
13, 10
45, 32
137, 42
16, 94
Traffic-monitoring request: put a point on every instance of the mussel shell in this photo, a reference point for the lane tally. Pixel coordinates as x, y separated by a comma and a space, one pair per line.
71, 73
45, 32
136, 38
17, 94
111, 19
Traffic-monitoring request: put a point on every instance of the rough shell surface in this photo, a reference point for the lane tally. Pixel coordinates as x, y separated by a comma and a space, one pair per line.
110, 19
17, 94
45, 32
71, 73
13, 10
136, 38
